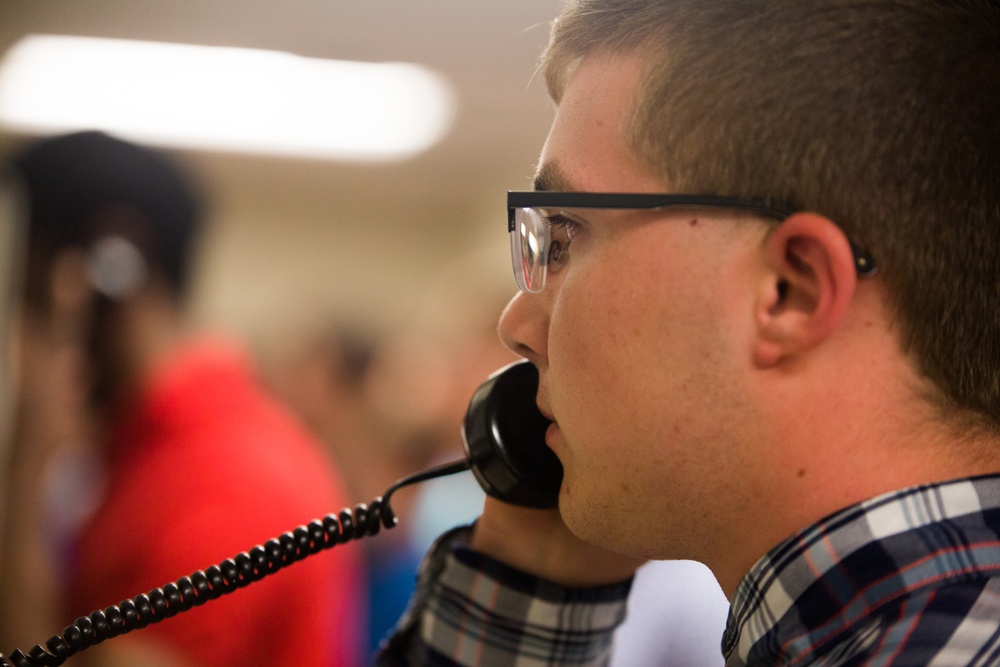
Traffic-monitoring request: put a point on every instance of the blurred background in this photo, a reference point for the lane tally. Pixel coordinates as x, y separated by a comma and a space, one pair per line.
368, 288
294, 237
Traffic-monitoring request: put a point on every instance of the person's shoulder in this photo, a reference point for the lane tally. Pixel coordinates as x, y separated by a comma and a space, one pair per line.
945, 623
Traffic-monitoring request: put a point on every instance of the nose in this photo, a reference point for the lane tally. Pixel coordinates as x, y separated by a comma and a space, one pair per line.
524, 327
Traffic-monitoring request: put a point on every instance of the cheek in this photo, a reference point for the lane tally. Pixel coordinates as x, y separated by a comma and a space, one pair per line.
607, 336
635, 347
644, 377
616, 313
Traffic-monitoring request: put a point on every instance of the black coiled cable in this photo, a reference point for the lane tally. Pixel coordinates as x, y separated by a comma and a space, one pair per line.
217, 580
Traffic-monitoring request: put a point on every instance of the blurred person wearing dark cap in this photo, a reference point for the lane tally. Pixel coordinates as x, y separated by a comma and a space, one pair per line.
200, 462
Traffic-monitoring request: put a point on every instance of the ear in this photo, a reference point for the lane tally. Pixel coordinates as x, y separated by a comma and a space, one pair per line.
806, 288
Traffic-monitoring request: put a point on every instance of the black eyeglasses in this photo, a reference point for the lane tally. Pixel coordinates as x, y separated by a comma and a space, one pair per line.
541, 225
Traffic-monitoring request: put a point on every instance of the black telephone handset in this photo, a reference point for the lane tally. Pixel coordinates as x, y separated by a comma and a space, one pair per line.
504, 435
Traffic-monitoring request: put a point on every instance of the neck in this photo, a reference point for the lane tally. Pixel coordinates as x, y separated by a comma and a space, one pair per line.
133, 337
846, 431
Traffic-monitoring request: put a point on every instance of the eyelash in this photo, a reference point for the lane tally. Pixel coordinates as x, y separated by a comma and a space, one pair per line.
561, 221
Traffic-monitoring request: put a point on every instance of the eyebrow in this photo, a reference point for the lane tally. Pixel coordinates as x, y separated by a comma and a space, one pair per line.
551, 177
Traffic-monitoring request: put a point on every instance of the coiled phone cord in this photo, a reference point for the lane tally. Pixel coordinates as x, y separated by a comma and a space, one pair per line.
226, 577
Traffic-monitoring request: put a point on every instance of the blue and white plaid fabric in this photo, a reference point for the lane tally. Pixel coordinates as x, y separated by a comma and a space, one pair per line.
472, 610
908, 578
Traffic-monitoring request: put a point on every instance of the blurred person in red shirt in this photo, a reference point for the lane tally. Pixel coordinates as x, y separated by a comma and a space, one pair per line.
199, 462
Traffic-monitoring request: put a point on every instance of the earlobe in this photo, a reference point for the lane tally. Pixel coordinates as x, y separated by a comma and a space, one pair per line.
806, 288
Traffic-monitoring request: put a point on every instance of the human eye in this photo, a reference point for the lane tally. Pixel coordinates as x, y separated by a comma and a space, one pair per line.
563, 223
563, 228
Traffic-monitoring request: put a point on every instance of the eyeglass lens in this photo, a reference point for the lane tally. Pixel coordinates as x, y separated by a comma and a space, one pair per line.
539, 244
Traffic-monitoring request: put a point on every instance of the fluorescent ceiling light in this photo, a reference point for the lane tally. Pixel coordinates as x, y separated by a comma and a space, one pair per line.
219, 98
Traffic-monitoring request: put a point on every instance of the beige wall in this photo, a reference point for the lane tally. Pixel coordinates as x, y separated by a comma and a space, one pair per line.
294, 237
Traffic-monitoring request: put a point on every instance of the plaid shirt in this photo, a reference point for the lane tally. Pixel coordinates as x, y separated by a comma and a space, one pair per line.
908, 578
469, 609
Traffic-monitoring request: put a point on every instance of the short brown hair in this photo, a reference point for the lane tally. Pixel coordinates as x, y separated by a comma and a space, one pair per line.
883, 115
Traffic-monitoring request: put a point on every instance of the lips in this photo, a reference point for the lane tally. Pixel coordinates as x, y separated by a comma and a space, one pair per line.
553, 437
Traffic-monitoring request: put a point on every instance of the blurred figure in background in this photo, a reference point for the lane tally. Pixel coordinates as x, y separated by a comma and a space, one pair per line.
390, 403
431, 368
199, 462
323, 373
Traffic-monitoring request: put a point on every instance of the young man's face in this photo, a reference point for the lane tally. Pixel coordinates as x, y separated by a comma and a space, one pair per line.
642, 340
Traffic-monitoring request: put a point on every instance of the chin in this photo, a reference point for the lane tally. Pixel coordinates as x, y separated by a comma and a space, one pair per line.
583, 516
602, 523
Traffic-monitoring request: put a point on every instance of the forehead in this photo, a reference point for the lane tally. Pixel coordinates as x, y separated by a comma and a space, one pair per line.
586, 148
